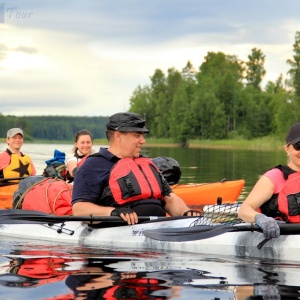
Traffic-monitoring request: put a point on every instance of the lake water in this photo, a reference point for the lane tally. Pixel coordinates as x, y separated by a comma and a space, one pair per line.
48, 271
197, 165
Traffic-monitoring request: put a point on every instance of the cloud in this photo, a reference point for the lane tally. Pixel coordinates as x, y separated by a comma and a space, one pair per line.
87, 57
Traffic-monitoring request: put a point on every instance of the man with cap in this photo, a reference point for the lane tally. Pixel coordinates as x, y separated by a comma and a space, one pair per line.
275, 193
13, 163
119, 181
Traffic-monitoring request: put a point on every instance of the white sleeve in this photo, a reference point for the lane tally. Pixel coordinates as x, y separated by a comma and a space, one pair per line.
70, 157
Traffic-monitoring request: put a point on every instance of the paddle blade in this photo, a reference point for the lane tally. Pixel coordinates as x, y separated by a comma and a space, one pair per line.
186, 234
199, 232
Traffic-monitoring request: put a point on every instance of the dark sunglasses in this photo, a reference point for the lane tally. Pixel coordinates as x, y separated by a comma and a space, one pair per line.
296, 146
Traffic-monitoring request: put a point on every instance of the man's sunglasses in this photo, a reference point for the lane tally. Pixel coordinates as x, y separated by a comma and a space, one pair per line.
296, 146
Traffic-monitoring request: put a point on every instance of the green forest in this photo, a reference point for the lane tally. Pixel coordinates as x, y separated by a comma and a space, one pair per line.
223, 99
60, 128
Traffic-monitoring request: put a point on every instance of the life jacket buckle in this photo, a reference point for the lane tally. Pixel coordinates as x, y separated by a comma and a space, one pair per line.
129, 186
297, 196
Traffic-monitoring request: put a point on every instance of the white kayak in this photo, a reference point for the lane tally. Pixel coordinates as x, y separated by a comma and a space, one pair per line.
237, 243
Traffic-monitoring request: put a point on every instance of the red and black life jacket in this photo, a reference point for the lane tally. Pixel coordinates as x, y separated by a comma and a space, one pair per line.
133, 179
289, 199
286, 204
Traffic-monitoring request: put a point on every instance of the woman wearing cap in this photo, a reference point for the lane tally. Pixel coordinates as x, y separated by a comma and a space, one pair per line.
13, 163
274, 196
82, 149
119, 181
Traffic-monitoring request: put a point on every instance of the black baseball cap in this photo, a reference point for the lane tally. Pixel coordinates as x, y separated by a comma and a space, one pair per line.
293, 135
127, 122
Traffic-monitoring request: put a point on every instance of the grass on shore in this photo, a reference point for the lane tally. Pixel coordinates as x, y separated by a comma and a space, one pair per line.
264, 143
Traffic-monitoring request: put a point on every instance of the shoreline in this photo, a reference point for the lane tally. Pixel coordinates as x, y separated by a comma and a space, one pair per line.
265, 143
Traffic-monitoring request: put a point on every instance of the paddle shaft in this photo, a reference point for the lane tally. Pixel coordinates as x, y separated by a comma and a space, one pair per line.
17, 216
10, 181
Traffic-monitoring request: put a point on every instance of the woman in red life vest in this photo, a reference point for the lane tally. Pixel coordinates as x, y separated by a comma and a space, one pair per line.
277, 193
83, 143
13, 163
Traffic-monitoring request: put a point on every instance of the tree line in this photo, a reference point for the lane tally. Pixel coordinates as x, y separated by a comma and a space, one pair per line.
222, 99
58, 128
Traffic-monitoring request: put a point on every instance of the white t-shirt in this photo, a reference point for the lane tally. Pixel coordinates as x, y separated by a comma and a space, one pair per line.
71, 157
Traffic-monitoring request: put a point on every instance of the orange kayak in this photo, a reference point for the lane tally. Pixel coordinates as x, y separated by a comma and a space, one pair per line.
6, 195
198, 195
194, 195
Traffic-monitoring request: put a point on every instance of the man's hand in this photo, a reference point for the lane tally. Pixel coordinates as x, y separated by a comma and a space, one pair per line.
127, 214
192, 212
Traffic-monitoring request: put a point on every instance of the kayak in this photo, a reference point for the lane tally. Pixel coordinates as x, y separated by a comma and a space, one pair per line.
7, 188
198, 195
6, 195
194, 195
242, 242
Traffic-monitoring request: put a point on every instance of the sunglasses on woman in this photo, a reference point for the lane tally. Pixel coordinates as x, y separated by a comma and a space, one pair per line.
296, 146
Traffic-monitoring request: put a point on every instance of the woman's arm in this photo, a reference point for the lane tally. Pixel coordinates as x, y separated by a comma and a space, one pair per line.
71, 165
261, 193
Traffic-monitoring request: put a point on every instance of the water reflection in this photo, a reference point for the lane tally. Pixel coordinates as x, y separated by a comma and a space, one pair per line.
106, 274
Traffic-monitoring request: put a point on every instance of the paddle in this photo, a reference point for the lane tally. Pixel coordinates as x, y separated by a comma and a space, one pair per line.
11, 178
203, 232
10, 181
19, 216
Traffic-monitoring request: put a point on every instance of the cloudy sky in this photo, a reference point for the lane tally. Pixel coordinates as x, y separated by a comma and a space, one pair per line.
86, 57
